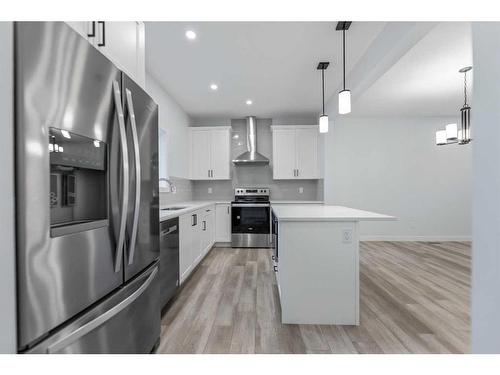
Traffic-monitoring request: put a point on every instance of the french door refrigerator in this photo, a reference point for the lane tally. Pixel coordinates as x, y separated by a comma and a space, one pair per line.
86, 198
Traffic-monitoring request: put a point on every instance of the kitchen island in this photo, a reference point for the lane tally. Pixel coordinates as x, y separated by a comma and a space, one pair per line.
317, 262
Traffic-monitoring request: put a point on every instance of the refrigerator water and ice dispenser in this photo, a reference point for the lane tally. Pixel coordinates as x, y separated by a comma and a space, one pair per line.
78, 183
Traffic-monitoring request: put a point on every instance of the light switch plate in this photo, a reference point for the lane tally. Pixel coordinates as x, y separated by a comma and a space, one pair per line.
209, 190
301, 190
346, 235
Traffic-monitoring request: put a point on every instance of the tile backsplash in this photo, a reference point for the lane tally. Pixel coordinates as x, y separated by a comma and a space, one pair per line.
184, 192
256, 176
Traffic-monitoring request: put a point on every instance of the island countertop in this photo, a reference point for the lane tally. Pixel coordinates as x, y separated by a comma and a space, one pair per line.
299, 212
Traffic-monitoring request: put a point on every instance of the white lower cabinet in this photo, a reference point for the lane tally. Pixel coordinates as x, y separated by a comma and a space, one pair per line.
223, 222
207, 230
186, 243
196, 238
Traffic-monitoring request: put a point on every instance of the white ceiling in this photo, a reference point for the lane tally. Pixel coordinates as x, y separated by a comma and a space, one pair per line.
271, 63
425, 81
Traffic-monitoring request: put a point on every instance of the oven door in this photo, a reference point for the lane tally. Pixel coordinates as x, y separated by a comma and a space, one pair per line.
250, 224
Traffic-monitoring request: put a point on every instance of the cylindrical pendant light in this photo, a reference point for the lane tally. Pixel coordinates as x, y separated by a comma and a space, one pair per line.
344, 95
323, 119
441, 137
451, 132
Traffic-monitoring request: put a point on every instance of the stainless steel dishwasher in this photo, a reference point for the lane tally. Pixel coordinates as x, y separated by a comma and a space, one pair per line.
169, 259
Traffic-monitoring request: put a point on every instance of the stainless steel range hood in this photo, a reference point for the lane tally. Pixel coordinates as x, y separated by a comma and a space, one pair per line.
251, 156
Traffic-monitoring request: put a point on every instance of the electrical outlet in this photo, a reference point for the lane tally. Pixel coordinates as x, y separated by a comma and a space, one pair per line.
209, 190
346, 235
173, 189
301, 190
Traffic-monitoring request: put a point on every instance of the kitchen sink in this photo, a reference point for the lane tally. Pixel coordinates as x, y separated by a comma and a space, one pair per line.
172, 208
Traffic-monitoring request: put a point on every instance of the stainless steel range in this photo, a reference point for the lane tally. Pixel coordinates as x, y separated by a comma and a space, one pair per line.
251, 218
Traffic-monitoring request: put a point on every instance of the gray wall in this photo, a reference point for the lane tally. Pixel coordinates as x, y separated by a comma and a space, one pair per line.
393, 166
183, 192
175, 121
485, 315
259, 176
7, 249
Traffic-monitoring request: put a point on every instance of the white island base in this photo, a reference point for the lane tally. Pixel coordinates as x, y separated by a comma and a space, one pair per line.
318, 263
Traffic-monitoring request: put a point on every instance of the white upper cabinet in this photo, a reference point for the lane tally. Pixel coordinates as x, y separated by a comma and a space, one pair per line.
83, 28
220, 154
284, 154
306, 143
210, 153
121, 42
296, 152
200, 155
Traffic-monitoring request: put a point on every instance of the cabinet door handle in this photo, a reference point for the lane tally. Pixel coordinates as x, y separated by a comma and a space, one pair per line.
92, 33
204, 225
102, 43
297, 173
275, 268
228, 210
208, 171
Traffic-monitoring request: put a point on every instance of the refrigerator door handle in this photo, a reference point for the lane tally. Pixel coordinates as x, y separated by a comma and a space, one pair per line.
101, 319
137, 160
125, 182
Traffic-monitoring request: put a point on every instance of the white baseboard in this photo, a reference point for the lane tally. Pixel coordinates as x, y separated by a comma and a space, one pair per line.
222, 244
417, 238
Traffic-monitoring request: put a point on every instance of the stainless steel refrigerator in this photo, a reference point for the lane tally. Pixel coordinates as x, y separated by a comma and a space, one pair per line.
86, 198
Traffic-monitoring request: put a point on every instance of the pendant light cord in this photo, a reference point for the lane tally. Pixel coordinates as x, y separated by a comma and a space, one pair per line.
323, 90
465, 89
343, 53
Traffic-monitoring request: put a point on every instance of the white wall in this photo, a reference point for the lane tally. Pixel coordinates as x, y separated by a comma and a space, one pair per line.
392, 166
485, 316
176, 122
7, 248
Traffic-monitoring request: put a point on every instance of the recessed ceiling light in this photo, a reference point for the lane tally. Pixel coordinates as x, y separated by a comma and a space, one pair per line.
249, 102
214, 87
190, 34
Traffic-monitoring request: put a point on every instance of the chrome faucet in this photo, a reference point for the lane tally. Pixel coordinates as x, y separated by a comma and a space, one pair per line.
170, 183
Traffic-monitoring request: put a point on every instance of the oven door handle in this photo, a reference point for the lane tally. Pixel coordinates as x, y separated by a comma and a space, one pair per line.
250, 205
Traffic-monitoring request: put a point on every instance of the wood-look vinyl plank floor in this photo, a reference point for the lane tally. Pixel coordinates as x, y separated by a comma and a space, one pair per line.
414, 299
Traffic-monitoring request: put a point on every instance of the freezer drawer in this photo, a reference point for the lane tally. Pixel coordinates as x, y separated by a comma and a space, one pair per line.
128, 321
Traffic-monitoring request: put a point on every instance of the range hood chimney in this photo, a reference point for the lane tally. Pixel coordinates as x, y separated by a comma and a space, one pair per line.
251, 156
